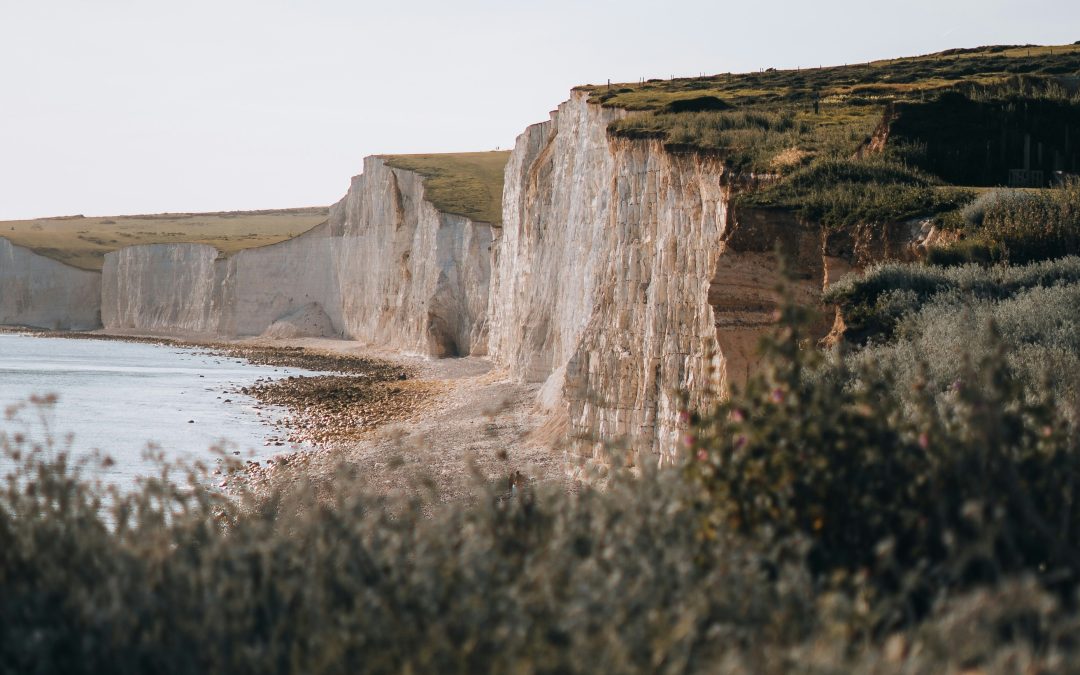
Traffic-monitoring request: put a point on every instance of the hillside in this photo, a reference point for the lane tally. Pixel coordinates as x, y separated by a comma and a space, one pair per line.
467, 184
83, 242
775, 121
887, 141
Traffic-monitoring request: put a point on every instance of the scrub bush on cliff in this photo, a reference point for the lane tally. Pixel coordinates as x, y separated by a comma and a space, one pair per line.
916, 317
1037, 226
873, 304
944, 493
1017, 226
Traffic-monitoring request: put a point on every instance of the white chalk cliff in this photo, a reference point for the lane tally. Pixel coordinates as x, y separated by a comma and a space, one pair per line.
42, 293
620, 277
607, 250
387, 268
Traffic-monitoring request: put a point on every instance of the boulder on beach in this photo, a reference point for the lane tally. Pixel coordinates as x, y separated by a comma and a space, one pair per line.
308, 321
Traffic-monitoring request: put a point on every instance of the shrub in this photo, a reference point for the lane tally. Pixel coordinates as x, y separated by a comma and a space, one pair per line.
975, 212
182, 579
1038, 226
869, 314
965, 252
697, 104
1015, 226
1040, 326
941, 494
840, 193
861, 300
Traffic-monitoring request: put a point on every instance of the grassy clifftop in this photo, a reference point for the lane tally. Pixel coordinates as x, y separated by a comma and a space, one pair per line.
774, 121
882, 141
467, 184
887, 78
83, 242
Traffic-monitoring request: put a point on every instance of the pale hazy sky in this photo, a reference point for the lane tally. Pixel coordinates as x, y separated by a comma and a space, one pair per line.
134, 106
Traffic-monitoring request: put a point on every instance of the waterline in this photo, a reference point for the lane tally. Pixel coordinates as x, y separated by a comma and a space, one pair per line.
121, 397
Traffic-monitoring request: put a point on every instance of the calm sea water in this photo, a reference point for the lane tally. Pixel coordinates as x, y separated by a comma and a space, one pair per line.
119, 397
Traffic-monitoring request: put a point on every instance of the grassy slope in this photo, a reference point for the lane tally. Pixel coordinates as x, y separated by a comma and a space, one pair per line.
468, 184
884, 78
83, 242
851, 101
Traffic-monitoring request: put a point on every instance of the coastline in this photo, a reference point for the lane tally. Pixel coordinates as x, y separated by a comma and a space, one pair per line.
402, 422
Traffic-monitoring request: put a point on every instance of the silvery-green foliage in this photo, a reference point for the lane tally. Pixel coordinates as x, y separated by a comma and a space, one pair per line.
1033, 310
975, 212
872, 304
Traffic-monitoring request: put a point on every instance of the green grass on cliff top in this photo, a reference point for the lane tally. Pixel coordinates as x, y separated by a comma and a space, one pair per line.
467, 184
775, 121
874, 81
83, 242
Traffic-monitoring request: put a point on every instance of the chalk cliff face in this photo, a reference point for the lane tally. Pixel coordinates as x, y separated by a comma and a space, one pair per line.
43, 293
387, 268
622, 277
161, 288
262, 285
411, 277
603, 268
191, 288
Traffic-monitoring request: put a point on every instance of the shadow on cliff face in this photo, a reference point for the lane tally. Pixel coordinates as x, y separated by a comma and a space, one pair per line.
441, 340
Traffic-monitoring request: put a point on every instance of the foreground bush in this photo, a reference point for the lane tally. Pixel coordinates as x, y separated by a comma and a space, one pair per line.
815, 526
945, 492
185, 580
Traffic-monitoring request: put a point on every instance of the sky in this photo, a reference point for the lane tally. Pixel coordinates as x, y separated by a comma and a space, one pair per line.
111, 107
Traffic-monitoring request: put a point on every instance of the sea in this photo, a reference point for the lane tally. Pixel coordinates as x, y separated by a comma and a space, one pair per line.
130, 400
